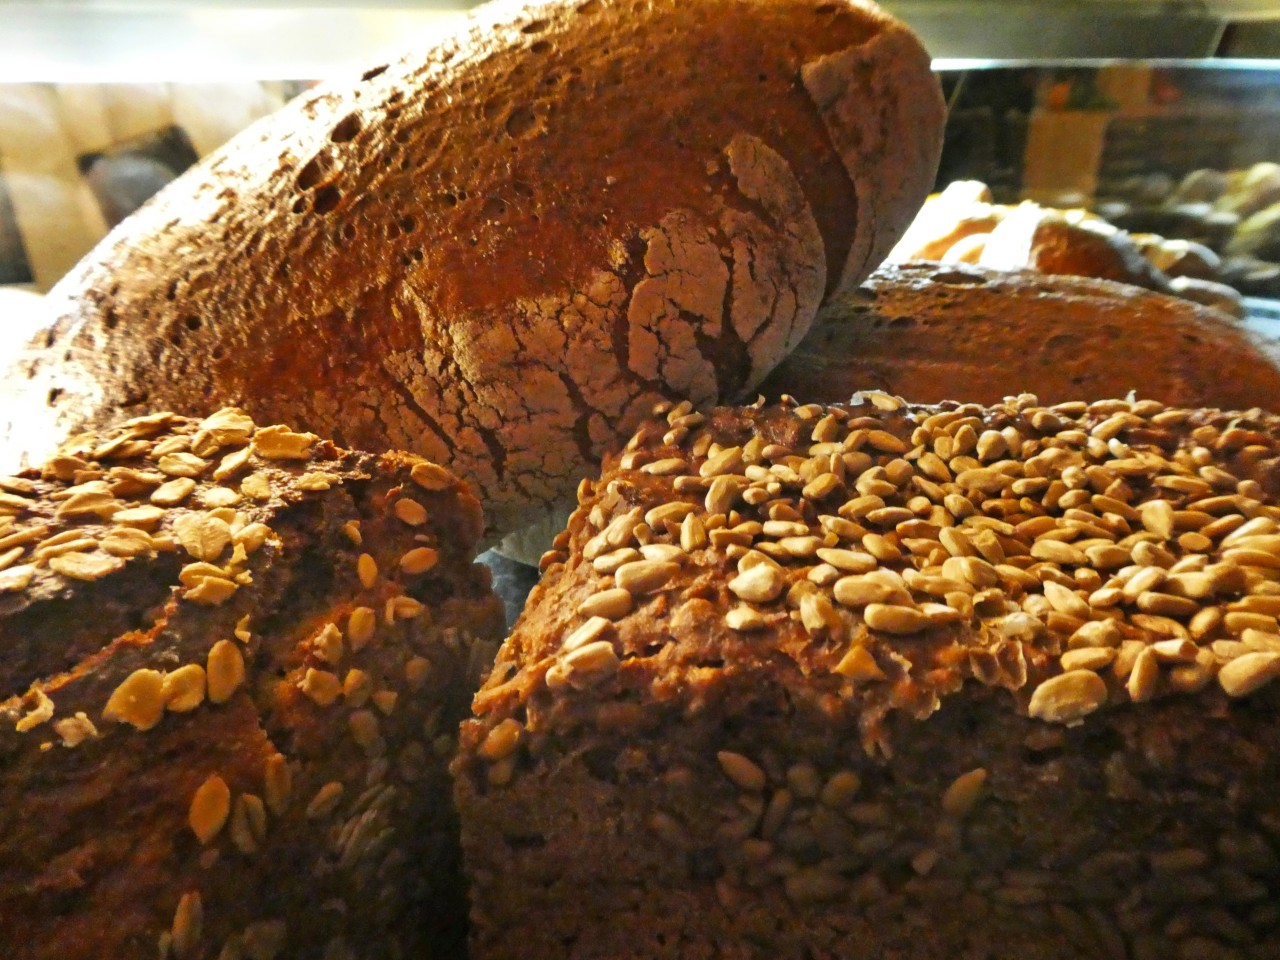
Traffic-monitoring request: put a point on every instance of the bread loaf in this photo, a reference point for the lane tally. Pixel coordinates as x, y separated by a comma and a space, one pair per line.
502, 251
968, 333
961, 211
233, 661
887, 681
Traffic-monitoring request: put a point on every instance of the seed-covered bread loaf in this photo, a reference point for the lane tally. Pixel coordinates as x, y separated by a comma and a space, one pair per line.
233, 659
887, 681
942, 332
501, 251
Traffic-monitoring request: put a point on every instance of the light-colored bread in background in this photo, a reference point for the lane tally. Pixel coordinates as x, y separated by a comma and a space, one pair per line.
1053, 242
963, 208
503, 251
1179, 258
961, 225
1210, 293
960, 332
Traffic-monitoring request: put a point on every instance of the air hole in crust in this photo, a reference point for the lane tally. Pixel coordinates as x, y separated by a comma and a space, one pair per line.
526, 842
374, 72
346, 128
521, 121
591, 6
313, 172
110, 320
408, 224
450, 200
193, 323
326, 199
54, 394
825, 9
299, 205
542, 46
349, 232
535, 26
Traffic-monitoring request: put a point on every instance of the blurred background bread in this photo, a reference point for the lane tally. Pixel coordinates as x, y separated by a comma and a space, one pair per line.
937, 332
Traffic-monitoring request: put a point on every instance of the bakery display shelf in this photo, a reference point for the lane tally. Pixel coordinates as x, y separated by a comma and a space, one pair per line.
1262, 315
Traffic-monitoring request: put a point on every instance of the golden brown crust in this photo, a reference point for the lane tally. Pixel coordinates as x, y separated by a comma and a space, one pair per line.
873, 558
885, 680
967, 333
228, 649
504, 253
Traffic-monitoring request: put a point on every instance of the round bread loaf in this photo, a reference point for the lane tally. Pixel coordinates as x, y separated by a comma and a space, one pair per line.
972, 334
502, 252
1055, 242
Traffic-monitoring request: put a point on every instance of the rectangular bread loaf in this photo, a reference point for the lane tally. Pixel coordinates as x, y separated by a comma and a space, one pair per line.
877, 681
234, 658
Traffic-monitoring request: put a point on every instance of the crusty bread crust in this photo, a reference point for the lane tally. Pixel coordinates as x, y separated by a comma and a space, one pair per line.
505, 251
878, 680
959, 332
234, 658
937, 332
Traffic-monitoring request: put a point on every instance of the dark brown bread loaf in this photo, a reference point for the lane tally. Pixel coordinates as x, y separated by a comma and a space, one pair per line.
961, 332
502, 252
887, 681
234, 659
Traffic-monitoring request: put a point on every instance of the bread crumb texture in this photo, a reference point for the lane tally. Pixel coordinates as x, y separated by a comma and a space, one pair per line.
218, 736
502, 254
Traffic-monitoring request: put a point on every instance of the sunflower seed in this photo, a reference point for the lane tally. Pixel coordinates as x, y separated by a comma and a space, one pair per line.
1248, 673
1068, 697
639, 577
138, 701
210, 807
962, 795
895, 619
760, 584
745, 774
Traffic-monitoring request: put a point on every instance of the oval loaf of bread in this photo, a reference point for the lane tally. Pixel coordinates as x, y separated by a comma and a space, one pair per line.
937, 332
502, 252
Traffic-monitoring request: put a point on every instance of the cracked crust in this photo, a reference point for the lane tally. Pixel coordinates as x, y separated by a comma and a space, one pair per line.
505, 252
